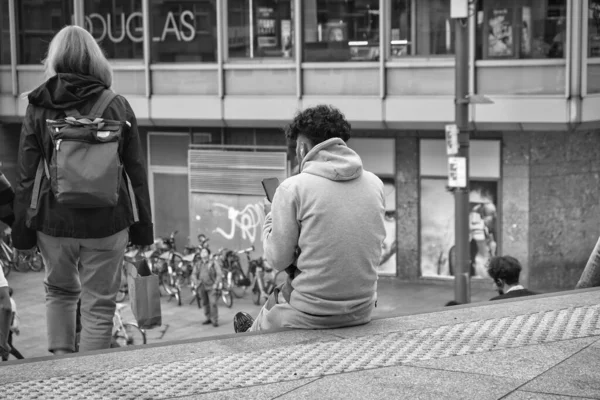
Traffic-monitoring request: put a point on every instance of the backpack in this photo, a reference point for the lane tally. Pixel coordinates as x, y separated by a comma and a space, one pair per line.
85, 169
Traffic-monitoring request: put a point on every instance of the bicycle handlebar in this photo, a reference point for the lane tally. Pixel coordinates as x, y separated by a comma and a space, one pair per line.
248, 250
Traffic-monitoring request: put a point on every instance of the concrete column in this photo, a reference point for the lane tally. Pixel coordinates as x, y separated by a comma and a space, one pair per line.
514, 238
407, 207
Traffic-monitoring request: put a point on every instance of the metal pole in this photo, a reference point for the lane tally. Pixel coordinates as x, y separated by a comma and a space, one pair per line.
461, 195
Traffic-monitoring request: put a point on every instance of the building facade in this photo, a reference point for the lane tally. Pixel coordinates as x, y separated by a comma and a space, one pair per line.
213, 81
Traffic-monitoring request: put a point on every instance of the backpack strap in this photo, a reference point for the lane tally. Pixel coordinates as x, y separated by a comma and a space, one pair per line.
98, 108
101, 103
134, 209
35, 194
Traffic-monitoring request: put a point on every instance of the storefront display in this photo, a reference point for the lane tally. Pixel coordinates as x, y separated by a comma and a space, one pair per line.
420, 28
437, 227
336, 30
437, 216
260, 28
521, 29
183, 31
117, 27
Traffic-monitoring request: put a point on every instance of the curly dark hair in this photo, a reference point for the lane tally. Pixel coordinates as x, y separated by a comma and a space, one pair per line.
319, 124
505, 268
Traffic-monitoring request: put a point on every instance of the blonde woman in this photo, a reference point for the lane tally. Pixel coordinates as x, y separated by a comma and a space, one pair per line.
82, 248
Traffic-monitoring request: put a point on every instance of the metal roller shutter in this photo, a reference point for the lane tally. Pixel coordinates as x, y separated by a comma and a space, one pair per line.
234, 172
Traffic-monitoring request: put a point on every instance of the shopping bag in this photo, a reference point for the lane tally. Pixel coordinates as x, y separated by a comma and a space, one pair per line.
144, 295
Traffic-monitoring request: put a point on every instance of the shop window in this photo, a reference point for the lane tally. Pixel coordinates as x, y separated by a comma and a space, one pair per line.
38, 22
117, 27
437, 208
183, 31
421, 28
594, 28
513, 29
4, 33
260, 28
340, 30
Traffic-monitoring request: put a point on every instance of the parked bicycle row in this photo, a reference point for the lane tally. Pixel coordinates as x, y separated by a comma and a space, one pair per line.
20, 261
175, 271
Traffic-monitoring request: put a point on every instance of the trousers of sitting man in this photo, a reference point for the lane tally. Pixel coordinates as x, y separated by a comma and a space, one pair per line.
278, 313
89, 269
209, 298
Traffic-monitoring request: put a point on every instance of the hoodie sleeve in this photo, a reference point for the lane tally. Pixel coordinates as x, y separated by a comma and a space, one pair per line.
281, 230
30, 154
141, 233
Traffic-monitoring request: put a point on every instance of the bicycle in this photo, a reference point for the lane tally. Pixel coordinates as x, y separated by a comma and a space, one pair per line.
123, 333
235, 280
126, 333
264, 278
20, 261
165, 262
131, 256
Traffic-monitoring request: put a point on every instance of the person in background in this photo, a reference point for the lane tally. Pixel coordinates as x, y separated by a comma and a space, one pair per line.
82, 248
7, 217
505, 272
14, 328
207, 277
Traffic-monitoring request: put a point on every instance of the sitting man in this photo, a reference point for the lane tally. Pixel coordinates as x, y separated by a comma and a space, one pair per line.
505, 272
328, 222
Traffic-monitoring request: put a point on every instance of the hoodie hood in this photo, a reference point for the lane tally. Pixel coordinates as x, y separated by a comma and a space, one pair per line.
66, 91
334, 160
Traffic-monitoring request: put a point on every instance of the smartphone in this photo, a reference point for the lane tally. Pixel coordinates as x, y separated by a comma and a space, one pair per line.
270, 185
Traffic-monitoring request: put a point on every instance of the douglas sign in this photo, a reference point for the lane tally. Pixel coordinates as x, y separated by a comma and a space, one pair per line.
116, 27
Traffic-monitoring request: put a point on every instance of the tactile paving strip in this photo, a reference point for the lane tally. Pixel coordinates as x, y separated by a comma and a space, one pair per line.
184, 378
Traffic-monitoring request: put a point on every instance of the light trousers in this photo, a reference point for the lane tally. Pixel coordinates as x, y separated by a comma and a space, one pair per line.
86, 268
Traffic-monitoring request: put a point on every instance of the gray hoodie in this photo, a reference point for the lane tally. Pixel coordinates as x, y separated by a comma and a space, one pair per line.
334, 212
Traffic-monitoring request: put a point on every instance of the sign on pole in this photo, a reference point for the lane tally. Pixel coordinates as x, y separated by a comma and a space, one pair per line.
457, 172
452, 140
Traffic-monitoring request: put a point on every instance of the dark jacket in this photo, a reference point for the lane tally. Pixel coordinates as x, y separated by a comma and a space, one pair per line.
6, 199
514, 293
50, 101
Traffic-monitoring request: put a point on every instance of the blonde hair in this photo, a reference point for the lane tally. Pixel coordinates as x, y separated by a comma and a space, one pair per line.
74, 50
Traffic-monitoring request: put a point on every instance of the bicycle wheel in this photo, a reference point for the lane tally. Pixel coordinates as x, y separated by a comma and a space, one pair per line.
237, 288
5, 267
36, 263
20, 263
227, 298
130, 335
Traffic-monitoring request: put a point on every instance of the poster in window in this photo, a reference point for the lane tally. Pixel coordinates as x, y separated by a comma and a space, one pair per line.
500, 37
265, 28
437, 227
387, 264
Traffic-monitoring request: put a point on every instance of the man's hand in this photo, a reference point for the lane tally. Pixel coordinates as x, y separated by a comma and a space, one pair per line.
267, 206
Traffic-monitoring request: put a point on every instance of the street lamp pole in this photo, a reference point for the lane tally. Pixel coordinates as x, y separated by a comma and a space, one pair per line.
462, 278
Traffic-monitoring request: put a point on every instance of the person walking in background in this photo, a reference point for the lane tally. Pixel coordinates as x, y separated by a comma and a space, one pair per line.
7, 217
505, 272
14, 328
207, 277
82, 234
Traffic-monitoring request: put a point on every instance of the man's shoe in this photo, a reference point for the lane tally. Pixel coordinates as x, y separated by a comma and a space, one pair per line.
215, 324
207, 322
242, 321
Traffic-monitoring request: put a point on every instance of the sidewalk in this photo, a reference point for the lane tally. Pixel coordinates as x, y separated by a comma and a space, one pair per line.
184, 322
539, 347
